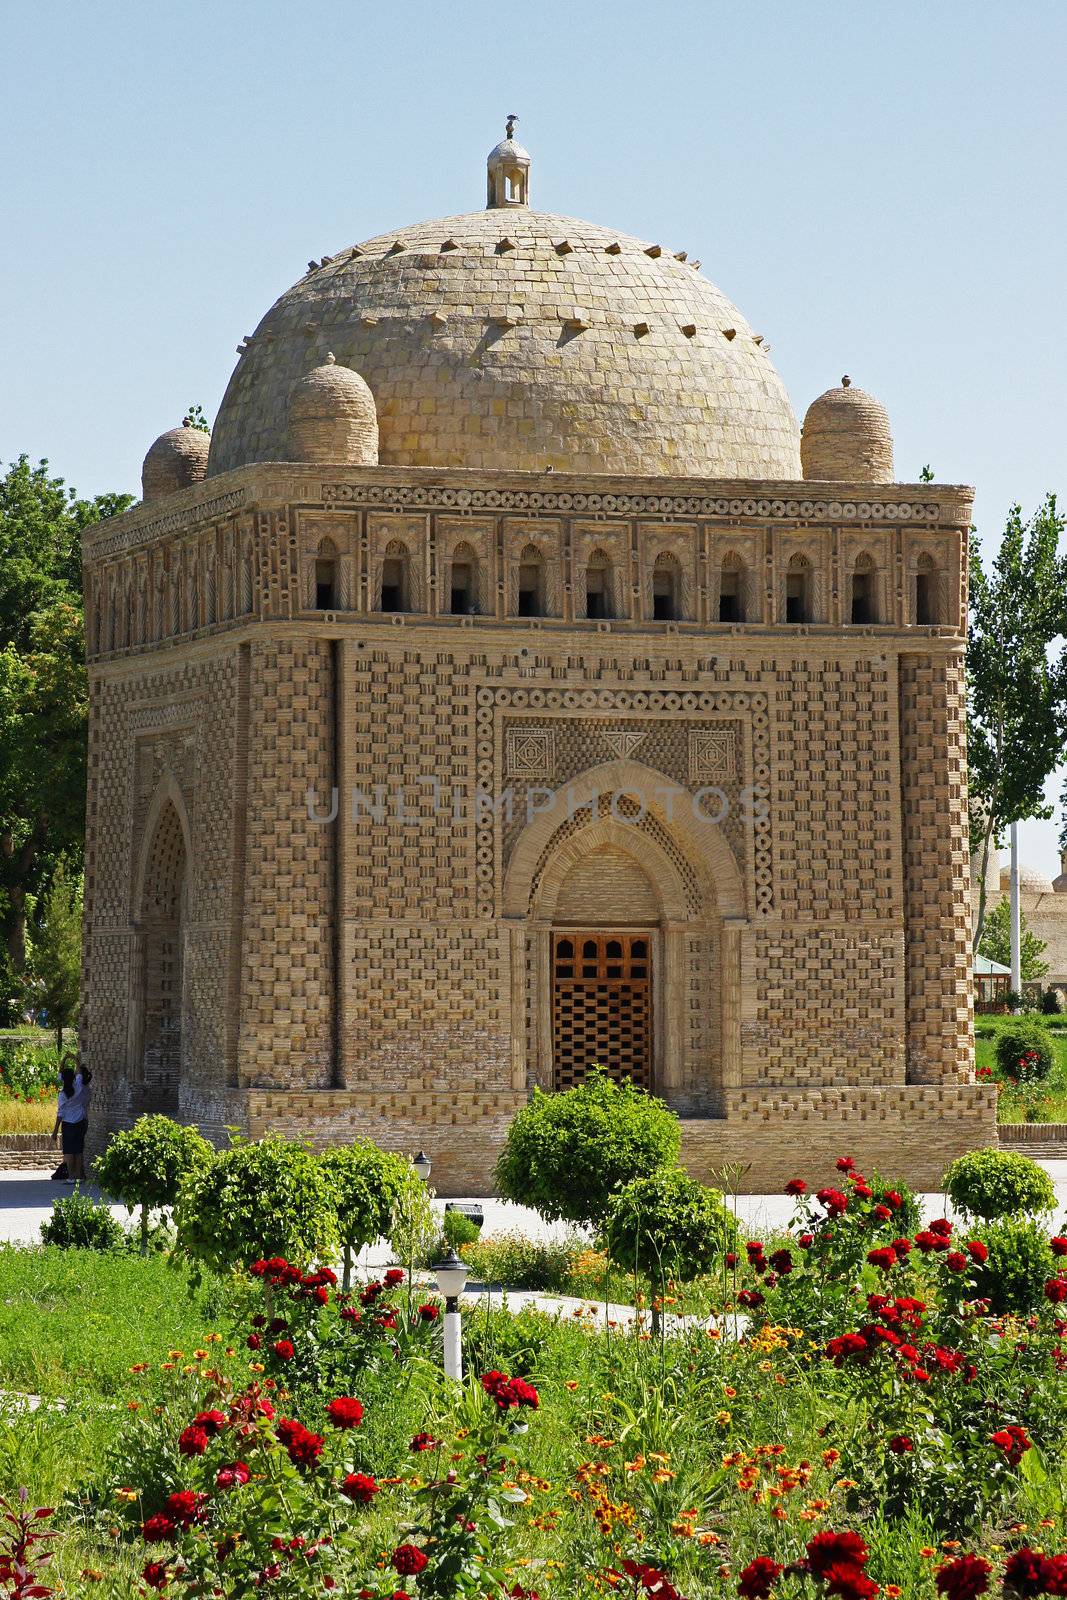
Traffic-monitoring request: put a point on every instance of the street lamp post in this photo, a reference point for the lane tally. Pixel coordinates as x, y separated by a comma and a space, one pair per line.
422, 1165
451, 1275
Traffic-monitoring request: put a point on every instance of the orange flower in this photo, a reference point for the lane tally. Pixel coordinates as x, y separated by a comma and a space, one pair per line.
636, 1464
893, 1591
927, 1551
662, 1475
708, 1538
780, 1513
830, 1456
572, 1384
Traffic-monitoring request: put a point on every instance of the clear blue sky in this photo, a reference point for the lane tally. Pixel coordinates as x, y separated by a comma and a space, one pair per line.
880, 188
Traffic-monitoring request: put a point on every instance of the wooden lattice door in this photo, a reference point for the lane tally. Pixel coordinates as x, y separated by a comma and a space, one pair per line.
601, 1006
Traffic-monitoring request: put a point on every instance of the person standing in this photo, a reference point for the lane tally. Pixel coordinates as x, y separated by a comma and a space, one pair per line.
72, 1116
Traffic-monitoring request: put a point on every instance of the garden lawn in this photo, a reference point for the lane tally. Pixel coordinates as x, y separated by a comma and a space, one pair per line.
73, 1322
1050, 1097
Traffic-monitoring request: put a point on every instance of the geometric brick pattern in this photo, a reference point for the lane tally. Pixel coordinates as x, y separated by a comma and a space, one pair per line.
601, 1007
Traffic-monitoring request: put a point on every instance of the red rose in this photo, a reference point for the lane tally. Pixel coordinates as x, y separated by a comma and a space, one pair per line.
862, 1191
782, 1262
1026, 1573
928, 1241
423, 1441
964, 1578
830, 1549
233, 1476
1013, 1441
186, 1506
883, 1213
409, 1560
956, 1261
429, 1312
304, 1448
806, 1241
731, 1258
848, 1581
845, 1164
796, 1186
902, 1246
193, 1440
1056, 1291
846, 1345
253, 1341
756, 1582
370, 1293
884, 1258
942, 1226
750, 1297
158, 1529
892, 1198
212, 1422
394, 1277
359, 1488
283, 1349
901, 1445
277, 1325
350, 1314
977, 1251
835, 1202
1059, 1245
155, 1575
345, 1412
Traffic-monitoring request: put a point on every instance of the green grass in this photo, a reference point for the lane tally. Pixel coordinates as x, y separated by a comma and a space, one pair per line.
1050, 1097
73, 1322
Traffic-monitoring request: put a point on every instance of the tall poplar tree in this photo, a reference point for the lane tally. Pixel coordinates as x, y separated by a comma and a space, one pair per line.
1016, 678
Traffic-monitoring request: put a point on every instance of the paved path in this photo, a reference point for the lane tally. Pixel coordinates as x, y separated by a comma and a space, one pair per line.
26, 1201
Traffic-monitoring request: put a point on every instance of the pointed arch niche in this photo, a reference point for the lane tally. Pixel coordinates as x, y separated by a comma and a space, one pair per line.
161, 914
627, 915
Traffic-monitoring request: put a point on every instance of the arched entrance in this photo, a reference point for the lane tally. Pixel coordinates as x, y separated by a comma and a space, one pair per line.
604, 928
161, 922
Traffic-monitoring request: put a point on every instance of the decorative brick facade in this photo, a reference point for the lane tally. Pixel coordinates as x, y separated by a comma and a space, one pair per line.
387, 973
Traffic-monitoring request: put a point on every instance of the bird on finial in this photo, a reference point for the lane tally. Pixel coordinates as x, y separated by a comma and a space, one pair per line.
845, 381
510, 127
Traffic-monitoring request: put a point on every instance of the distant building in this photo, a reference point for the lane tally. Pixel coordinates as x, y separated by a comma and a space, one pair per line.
1042, 901
642, 712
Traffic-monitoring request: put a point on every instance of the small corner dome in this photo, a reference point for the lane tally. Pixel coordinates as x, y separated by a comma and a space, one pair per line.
846, 438
176, 460
1033, 881
332, 417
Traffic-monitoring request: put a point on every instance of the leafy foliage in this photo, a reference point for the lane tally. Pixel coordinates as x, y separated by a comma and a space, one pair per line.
78, 1223
996, 943
1017, 685
266, 1197
668, 1225
42, 686
514, 1259
998, 1183
566, 1153
1020, 1264
1025, 1038
367, 1183
145, 1165
55, 951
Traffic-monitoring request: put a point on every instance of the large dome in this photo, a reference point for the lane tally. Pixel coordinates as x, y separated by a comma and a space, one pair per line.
515, 339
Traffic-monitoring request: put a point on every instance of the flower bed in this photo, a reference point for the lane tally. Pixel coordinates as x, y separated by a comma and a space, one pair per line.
853, 1420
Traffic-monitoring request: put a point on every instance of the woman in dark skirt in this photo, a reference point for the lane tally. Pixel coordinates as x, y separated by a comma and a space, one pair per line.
72, 1117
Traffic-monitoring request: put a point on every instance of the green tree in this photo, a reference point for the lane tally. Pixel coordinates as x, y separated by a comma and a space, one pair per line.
263, 1197
996, 943
43, 702
668, 1226
1017, 682
53, 965
367, 1184
566, 1153
146, 1165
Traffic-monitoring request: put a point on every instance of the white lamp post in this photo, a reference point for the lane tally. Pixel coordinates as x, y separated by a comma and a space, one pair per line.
422, 1165
451, 1275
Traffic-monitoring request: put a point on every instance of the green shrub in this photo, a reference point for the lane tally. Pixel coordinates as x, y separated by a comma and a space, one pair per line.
78, 1223
519, 1262
459, 1229
1025, 1038
998, 1183
566, 1153
367, 1183
28, 1070
1050, 1003
266, 1197
668, 1225
1020, 1264
144, 1165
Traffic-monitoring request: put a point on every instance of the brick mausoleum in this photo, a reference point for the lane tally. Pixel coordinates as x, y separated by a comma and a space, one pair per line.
642, 714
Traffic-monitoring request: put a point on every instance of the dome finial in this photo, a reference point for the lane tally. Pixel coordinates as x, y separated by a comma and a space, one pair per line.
508, 176
846, 381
